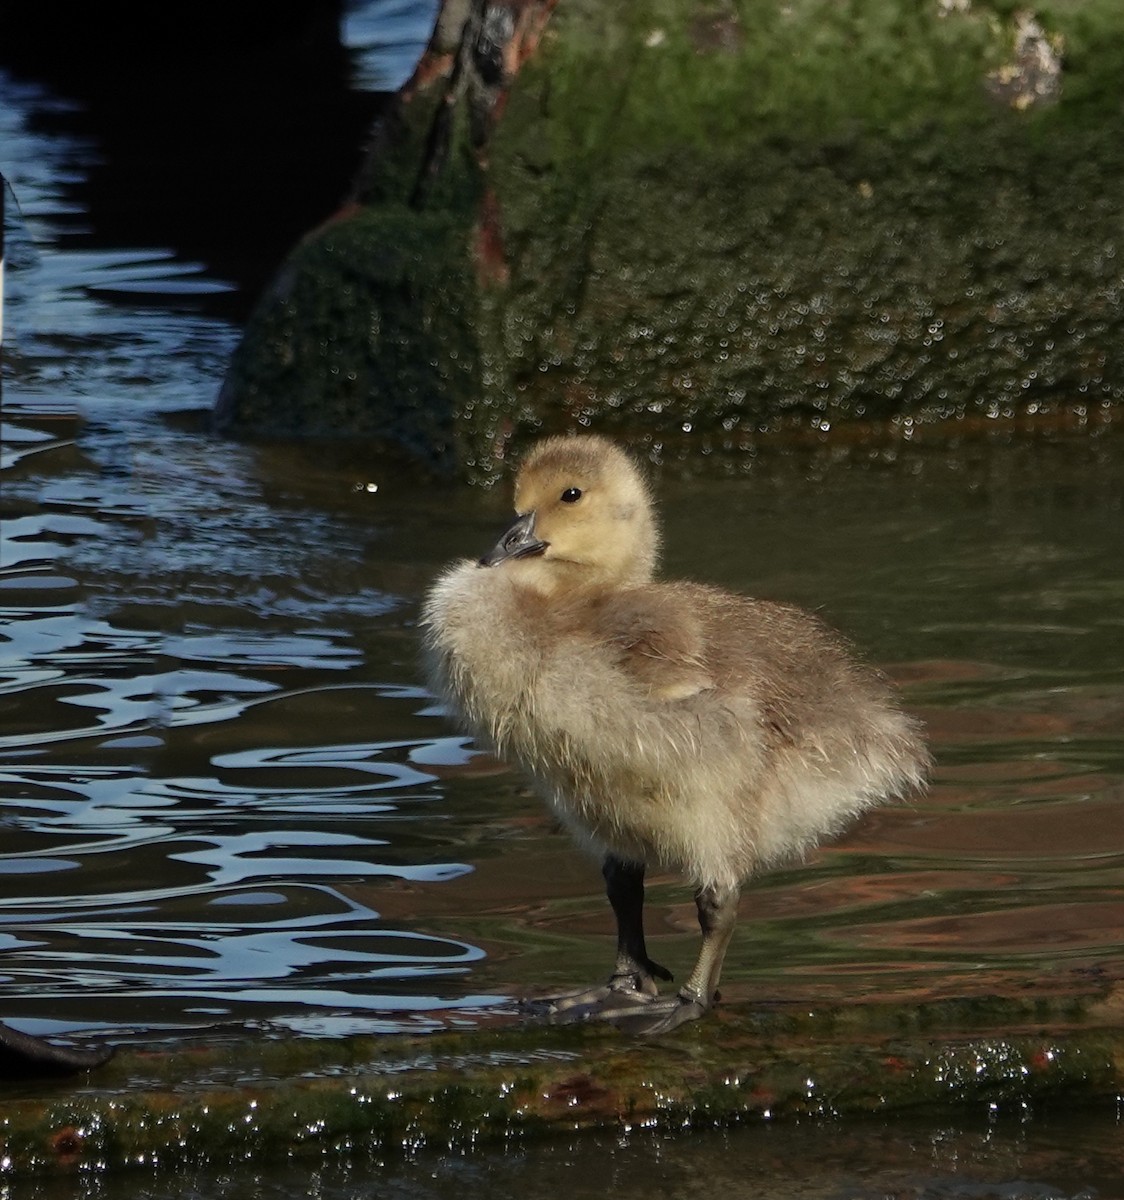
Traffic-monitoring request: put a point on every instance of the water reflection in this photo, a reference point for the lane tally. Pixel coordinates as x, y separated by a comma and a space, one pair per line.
155, 876
123, 877
1054, 1157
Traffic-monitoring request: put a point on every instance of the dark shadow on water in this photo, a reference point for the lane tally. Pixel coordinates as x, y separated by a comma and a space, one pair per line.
223, 130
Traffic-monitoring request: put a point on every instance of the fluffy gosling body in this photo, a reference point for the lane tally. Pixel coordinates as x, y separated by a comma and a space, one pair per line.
668, 724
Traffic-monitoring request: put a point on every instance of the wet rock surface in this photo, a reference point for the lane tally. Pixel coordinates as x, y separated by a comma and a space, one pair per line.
251, 1100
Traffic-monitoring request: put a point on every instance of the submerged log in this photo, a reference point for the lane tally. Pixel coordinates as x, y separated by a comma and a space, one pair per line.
257, 1100
24, 1056
688, 224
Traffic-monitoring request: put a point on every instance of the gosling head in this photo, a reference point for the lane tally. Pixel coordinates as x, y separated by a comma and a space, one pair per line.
585, 518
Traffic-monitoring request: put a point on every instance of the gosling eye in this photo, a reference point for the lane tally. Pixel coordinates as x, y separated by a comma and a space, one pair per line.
571, 496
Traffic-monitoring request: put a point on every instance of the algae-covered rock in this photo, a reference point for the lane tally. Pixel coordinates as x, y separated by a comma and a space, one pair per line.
370, 333
277, 1100
376, 329
719, 219
824, 218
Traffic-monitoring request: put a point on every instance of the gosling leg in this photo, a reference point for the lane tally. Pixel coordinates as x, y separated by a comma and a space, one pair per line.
718, 914
634, 970
633, 981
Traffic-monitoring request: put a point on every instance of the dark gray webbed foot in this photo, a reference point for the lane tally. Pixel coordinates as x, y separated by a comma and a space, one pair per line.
660, 1015
624, 992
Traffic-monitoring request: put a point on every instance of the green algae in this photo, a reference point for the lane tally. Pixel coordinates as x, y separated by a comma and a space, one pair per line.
636, 79
369, 333
263, 1100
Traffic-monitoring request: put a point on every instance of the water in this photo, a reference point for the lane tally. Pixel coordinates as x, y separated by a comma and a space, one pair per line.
901, 1160
1046, 1159
229, 804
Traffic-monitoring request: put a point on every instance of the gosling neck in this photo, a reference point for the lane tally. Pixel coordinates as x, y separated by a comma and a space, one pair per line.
555, 578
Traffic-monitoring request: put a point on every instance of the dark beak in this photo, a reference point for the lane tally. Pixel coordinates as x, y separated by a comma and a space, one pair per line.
518, 542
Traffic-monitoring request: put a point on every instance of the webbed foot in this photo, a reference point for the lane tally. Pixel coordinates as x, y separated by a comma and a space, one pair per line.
625, 991
659, 1015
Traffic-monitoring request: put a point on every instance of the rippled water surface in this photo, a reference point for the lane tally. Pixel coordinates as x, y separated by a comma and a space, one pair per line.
226, 799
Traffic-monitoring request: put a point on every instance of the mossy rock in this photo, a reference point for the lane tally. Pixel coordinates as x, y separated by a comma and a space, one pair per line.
731, 220
721, 221
242, 1100
369, 334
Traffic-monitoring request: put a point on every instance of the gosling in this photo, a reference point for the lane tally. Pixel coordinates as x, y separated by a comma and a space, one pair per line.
669, 725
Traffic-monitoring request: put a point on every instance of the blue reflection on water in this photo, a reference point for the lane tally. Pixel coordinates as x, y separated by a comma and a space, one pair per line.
387, 39
198, 815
